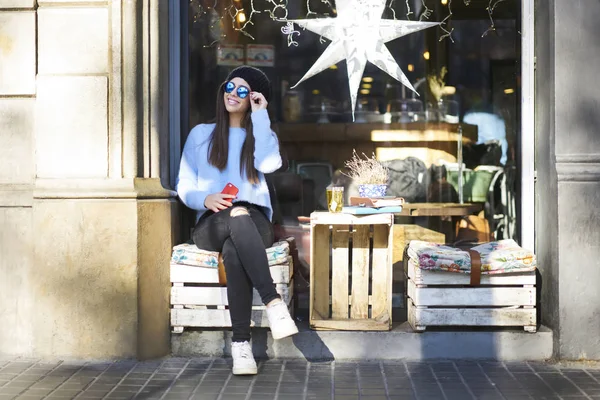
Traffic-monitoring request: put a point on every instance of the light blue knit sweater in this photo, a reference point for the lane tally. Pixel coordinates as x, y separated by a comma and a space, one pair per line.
197, 178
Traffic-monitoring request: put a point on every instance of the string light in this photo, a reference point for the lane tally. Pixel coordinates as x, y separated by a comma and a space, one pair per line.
426, 11
408, 11
310, 12
391, 7
241, 17
444, 24
278, 11
490, 9
289, 30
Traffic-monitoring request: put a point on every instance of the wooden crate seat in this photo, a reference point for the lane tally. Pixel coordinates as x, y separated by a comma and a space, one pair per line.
199, 300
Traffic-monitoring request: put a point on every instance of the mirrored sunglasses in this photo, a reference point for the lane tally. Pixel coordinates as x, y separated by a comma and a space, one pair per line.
242, 91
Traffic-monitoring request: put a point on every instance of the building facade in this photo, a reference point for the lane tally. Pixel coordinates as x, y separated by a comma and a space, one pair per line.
89, 143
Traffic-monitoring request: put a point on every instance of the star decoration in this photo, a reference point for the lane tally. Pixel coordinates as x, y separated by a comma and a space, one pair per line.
358, 34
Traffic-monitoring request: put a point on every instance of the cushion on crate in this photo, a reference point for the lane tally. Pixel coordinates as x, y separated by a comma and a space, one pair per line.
189, 254
504, 256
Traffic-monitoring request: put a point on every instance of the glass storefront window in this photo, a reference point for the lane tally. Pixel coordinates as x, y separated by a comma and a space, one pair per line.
470, 78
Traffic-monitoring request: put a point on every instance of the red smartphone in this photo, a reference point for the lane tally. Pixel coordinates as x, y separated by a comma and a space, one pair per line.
230, 188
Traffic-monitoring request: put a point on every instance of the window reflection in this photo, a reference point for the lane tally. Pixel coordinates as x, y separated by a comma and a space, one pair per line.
466, 79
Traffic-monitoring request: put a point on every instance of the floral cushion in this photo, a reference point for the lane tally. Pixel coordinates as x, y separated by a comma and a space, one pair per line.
504, 256
189, 254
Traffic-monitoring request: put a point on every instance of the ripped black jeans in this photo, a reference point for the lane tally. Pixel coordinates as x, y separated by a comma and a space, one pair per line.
242, 240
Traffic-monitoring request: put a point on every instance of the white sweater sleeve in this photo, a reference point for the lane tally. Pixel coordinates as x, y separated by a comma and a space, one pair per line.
267, 158
192, 190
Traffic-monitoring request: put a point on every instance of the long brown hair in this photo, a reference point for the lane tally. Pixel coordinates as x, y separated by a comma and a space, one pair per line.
218, 148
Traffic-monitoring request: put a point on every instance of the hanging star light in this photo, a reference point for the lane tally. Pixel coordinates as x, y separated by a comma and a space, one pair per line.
358, 34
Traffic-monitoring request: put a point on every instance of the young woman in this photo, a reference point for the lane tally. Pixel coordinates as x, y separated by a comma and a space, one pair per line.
238, 149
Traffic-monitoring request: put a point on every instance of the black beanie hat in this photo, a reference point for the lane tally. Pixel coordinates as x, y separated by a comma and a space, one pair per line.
257, 79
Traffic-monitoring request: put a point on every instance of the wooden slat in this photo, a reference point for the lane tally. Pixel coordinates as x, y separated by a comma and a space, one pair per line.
397, 300
471, 296
425, 277
212, 318
350, 325
188, 274
381, 292
202, 317
339, 276
217, 296
196, 307
319, 270
423, 317
325, 218
360, 272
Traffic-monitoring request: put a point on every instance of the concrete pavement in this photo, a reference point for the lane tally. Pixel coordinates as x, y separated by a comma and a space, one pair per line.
210, 379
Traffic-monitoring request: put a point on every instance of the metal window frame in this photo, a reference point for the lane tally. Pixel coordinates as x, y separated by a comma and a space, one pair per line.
527, 148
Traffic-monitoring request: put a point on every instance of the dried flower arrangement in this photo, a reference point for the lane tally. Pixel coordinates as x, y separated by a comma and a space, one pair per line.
367, 170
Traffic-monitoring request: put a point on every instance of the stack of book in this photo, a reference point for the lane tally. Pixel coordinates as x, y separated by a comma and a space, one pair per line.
374, 205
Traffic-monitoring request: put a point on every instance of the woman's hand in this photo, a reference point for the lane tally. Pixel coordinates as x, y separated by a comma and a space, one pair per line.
257, 101
218, 201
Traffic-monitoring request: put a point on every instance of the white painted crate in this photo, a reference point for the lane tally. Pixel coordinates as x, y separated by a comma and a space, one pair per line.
439, 298
197, 302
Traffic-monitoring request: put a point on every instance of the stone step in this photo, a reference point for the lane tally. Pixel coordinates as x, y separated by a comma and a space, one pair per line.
401, 343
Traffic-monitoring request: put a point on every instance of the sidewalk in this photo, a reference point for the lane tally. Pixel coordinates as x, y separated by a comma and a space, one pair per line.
209, 379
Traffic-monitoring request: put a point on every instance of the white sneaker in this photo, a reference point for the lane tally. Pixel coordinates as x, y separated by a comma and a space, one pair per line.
243, 360
281, 323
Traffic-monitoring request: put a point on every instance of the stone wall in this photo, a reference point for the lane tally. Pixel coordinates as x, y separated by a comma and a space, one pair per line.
568, 168
87, 226
17, 110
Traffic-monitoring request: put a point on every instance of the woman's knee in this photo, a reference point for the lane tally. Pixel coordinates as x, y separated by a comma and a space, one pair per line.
256, 222
238, 211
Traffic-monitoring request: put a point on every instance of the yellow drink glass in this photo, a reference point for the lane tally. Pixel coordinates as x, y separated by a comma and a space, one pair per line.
335, 198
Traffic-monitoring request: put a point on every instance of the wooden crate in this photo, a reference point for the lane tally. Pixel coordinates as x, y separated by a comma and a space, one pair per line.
197, 300
439, 298
351, 272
